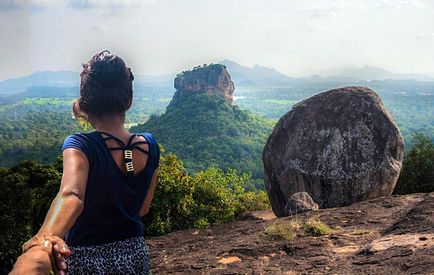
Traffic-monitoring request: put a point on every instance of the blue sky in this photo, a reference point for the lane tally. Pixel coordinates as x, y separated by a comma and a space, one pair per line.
156, 37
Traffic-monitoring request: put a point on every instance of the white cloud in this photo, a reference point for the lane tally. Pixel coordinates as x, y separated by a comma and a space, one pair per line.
326, 8
164, 36
100, 28
323, 8
108, 4
421, 4
426, 34
101, 5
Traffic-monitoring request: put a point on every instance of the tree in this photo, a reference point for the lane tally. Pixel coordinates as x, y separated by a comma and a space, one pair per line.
26, 191
417, 174
209, 197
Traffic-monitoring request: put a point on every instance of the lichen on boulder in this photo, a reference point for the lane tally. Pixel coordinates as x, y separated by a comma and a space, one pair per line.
341, 146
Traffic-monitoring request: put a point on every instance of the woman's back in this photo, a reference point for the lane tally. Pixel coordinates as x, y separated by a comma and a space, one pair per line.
114, 197
108, 181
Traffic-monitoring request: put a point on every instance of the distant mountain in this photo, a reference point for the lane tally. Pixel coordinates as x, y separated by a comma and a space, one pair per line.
369, 73
68, 79
39, 79
255, 76
241, 76
264, 76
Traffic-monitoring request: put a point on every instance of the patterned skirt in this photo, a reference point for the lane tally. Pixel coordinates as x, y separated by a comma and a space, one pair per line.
122, 257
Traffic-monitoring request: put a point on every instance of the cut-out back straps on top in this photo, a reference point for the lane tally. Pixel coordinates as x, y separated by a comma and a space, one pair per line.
127, 151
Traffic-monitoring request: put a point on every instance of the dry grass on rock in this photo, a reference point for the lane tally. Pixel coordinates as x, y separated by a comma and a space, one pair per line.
289, 229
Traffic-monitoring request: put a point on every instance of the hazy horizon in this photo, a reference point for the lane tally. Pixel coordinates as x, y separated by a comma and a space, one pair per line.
331, 72
297, 38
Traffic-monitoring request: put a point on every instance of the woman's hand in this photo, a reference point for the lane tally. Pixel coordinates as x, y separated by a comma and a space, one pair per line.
34, 241
60, 253
36, 260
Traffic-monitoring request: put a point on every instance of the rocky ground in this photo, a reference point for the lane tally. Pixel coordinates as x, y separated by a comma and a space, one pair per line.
392, 235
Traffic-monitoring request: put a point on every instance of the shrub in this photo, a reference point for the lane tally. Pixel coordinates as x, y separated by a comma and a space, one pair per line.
282, 230
209, 197
314, 227
253, 201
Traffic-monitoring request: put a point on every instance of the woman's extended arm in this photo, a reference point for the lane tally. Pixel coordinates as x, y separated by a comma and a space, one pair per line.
68, 203
66, 206
147, 202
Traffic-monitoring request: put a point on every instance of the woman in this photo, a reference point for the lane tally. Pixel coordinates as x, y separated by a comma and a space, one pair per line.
109, 177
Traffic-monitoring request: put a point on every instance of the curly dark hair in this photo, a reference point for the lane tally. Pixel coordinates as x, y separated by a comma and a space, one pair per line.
106, 87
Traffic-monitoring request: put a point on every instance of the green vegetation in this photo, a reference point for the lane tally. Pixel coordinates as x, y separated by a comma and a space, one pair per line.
197, 68
209, 197
34, 132
282, 230
413, 114
165, 99
34, 127
289, 229
314, 227
417, 174
26, 193
45, 101
181, 201
205, 131
281, 101
34, 124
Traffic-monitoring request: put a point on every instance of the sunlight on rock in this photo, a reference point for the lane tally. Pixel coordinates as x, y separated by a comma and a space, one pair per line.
229, 260
414, 241
346, 249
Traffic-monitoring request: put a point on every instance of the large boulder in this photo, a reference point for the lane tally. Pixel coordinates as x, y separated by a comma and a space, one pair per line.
207, 79
341, 146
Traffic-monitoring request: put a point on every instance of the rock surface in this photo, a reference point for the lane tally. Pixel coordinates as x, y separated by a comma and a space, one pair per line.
209, 79
393, 235
300, 202
341, 146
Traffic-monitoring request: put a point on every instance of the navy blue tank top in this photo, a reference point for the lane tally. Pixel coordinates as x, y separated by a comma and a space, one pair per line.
113, 199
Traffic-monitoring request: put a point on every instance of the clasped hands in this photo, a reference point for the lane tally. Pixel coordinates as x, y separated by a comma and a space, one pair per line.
42, 255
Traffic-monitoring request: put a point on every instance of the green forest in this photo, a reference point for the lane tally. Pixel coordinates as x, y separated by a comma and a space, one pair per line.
34, 123
205, 131
33, 131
